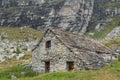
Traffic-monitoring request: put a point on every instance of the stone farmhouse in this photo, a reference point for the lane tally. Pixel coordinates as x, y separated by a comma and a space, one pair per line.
59, 50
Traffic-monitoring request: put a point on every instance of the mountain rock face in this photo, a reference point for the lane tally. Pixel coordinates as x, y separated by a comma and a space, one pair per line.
72, 15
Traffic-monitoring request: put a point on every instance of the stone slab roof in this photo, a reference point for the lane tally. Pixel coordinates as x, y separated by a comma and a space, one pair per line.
73, 40
79, 42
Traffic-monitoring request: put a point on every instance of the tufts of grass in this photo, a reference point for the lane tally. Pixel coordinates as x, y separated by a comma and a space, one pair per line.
83, 75
16, 68
12, 62
18, 71
107, 73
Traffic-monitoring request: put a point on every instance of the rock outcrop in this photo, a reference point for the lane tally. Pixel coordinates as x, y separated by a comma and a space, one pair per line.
14, 49
72, 15
115, 33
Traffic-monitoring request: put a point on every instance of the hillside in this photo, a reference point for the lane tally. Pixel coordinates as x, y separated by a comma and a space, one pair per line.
108, 73
16, 42
103, 32
23, 22
13, 68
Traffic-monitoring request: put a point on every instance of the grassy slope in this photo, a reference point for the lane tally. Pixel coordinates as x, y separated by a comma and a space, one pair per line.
13, 62
107, 73
113, 5
20, 34
113, 43
15, 67
17, 71
103, 32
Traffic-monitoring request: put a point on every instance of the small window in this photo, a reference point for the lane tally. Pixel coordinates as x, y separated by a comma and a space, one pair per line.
48, 44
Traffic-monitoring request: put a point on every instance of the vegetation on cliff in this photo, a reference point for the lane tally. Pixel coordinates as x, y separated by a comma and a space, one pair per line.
114, 43
100, 34
113, 5
19, 33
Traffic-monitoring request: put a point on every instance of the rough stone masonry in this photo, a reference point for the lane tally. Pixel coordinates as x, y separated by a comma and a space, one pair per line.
59, 50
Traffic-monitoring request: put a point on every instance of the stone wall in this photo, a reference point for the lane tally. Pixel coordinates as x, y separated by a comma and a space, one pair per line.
54, 55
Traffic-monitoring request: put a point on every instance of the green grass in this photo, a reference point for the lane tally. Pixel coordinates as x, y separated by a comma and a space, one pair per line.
16, 67
113, 5
104, 31
17, 71
113, 43
20, 34
111, 72
107, 73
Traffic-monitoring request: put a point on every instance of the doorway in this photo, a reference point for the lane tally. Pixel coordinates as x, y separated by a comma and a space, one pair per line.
47, 66
70, 66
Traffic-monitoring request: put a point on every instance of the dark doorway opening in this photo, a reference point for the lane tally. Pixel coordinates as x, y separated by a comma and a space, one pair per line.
47, 66
70, 66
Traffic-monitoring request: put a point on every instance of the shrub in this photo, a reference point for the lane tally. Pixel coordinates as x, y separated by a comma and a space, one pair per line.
18, 50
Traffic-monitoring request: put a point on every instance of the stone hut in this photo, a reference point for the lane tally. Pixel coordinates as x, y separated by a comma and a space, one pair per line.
59, 50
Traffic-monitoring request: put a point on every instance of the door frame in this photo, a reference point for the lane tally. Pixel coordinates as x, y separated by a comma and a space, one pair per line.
70, 65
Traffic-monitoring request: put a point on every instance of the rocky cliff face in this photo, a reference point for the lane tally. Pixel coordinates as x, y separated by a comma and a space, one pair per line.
72, 15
